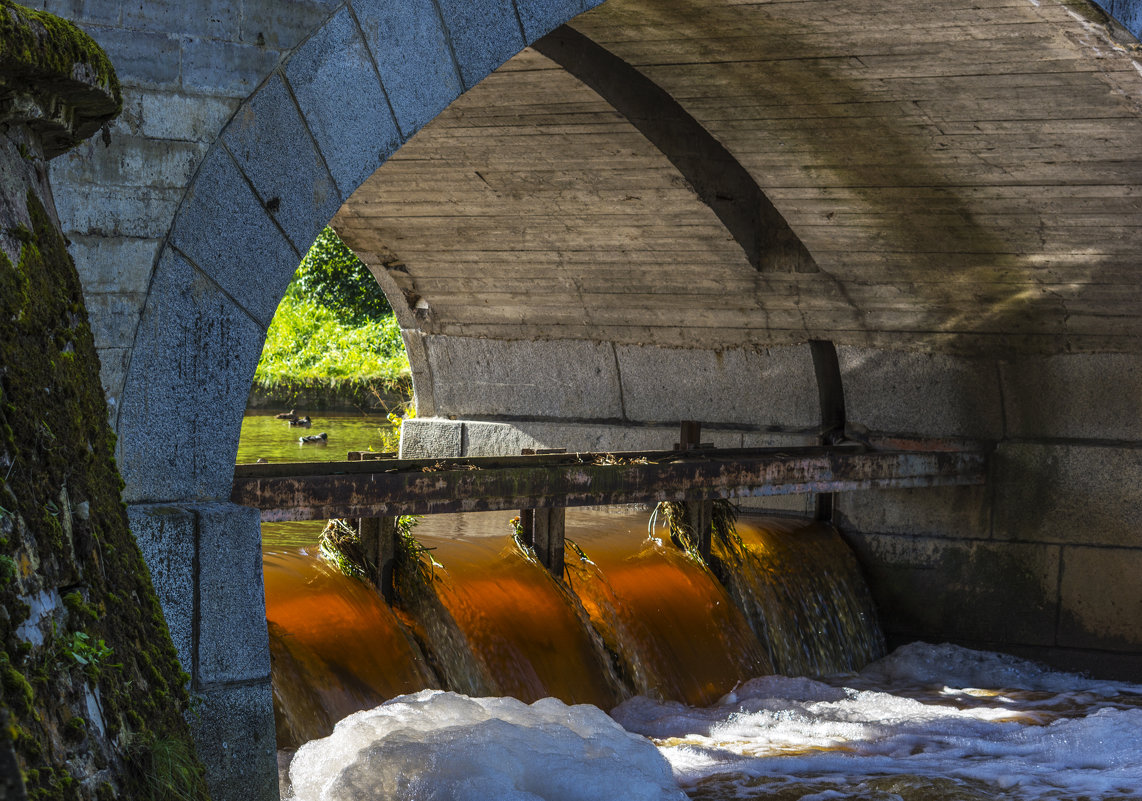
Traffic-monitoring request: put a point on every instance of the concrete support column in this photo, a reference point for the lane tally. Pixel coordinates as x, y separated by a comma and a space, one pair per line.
205, 561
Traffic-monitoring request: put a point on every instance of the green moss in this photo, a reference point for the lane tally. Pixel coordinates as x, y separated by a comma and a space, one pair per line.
53, 427
75, 729
18, 693
7, 569
81, 610
38, 44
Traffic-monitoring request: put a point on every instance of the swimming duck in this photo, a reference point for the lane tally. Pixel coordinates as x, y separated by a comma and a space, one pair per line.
314, 439
304, 422
290, 415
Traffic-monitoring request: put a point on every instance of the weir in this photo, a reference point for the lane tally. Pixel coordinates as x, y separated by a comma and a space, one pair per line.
375, 489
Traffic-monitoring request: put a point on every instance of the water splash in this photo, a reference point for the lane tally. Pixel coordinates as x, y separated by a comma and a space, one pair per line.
802, 592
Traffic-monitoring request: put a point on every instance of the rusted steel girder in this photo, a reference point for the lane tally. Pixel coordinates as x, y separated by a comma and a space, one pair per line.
374, 488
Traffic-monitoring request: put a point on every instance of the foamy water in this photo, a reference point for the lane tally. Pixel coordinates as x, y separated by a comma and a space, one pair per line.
927, 722
440, 746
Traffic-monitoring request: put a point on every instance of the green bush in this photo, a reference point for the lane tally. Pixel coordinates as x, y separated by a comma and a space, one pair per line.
309, 344
332, 276
334, 328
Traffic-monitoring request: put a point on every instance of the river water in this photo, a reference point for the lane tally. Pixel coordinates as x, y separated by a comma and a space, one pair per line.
644, 676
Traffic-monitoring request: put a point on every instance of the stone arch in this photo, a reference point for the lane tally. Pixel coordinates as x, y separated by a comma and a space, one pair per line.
323, 120
293, 152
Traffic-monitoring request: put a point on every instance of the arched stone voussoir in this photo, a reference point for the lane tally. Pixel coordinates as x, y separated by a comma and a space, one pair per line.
410, 47
485, 34
271, 144
343, 102
541, 17
186, 389
225, 231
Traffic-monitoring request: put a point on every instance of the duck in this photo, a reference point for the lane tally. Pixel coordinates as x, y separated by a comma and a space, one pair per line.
304, 422
290, 415
314, 439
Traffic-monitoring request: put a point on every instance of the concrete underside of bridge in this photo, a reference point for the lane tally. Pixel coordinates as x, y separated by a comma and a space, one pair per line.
641, 220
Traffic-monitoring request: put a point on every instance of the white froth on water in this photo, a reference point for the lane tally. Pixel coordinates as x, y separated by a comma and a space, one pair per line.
925, 723
969, 724
448, 747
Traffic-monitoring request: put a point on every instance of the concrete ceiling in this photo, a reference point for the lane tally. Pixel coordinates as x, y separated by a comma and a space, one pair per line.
966, 176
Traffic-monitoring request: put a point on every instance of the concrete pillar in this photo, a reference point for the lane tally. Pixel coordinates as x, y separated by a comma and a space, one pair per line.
205, 561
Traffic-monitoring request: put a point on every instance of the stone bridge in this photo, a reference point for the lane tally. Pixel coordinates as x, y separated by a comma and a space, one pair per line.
642, 219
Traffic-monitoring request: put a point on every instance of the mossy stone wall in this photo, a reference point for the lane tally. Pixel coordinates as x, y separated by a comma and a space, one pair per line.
93, 698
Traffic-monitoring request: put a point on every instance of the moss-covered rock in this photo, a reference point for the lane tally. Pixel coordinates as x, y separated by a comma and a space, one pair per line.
91, 682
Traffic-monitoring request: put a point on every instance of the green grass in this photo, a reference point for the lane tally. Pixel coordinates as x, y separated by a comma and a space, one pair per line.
310, 345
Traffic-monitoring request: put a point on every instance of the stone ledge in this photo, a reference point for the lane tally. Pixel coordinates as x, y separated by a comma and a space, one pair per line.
54, 78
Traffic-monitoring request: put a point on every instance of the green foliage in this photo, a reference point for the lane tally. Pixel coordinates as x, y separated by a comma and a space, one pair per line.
92, 654
171, 770
340, 545
310, 345
334, 330
332, 276
675, 515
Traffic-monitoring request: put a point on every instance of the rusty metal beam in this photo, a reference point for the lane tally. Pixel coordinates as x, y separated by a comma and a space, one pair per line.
318, 490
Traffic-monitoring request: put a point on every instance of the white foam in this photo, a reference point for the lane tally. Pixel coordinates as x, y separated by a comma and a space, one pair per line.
939, 712
924, 664
448, 747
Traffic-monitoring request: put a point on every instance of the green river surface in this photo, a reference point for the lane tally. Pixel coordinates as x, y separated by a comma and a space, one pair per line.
265, 437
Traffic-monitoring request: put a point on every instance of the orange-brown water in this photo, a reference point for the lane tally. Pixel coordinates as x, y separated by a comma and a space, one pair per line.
633, 615
335, 647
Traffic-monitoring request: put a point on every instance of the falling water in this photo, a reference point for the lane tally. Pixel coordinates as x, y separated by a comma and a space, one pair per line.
685, 657
802, 592
335, 647
477, 614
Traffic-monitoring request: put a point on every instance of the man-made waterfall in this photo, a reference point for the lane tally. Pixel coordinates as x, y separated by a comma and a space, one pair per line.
634, 615
756, 677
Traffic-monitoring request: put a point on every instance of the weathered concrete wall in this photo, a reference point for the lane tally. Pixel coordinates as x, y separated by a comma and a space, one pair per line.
1040, 560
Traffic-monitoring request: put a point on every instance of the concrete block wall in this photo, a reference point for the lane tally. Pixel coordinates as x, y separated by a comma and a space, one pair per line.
1041, 561
245, 127
479, 397
205, 562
